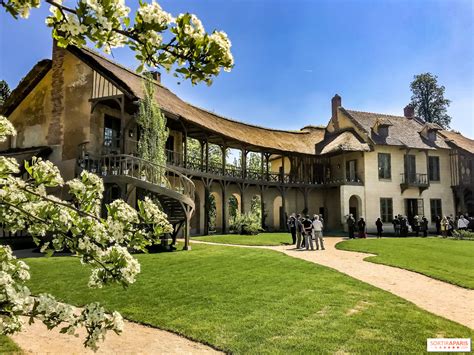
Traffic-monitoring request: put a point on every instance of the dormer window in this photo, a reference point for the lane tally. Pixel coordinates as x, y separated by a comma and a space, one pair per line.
429, 131
381, 127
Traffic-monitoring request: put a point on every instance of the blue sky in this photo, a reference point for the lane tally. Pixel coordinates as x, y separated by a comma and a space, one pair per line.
292, 56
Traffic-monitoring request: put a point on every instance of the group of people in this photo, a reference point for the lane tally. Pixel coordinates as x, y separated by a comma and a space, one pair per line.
305, 230
360, 227
447, 224
419, 225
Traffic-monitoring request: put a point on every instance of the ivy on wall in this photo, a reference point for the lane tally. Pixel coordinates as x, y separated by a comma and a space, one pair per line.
152, 126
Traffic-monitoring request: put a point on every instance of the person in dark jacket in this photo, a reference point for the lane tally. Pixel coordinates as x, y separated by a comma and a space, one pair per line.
379, 225
299, 232
416, 226
424, 226
351, 226
308, 233
292, 227
396, 225
361, 227
403, 227
438, 225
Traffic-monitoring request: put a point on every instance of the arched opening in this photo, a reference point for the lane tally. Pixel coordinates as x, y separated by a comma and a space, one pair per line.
277, 211
214, 212
355, 206
195, 219
233, 205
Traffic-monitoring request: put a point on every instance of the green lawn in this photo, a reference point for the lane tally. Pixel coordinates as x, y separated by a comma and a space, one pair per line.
7, 346
443, 259
259, 239
254, 301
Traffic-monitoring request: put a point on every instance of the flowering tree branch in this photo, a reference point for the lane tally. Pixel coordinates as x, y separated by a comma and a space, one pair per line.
191, 52
77, 226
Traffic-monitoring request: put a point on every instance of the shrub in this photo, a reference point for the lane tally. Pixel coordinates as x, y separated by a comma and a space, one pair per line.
247, 223
463, 235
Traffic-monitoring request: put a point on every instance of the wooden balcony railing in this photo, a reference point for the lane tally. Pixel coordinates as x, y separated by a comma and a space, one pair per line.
137, 168
195, 163
420, 181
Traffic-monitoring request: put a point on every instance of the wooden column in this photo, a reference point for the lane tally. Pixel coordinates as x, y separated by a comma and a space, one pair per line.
185, 154
244, 162
262, 205
267, 167
224, 150
201, 142
344, 167
224, 185
207, 154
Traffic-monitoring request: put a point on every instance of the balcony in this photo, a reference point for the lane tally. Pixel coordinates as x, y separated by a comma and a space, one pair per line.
416, 180
194, 165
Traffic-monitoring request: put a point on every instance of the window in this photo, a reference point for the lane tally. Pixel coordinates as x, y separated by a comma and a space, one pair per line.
433, 168
111, 132
385, 169
351, 169
436, 209
386, 210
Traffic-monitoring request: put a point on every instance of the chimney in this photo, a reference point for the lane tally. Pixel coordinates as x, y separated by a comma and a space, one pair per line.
156, 75
335, 103
409, 111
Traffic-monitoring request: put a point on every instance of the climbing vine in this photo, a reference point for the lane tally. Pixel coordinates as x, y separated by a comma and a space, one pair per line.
152, 126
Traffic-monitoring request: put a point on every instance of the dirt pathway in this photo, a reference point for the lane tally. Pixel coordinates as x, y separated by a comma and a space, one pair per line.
438, 297
135, 339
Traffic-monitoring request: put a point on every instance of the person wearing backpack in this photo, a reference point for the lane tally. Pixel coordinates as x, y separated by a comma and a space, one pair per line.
308, 233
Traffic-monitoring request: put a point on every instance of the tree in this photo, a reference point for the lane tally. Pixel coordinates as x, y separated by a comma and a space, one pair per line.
428, 99
4, 92
191, 52
103, 243
153, 130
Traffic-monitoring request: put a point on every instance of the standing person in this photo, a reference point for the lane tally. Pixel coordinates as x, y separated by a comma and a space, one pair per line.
351, 226
403, 227
292, 227
379, 225
299, 231
444, 226
308, 233
438, 225
318, 232
396, 226
424, 226
361, 227
450, 225
462, 223
416, 225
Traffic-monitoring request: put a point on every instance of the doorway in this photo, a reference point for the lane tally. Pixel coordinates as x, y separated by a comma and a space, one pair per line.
414, 207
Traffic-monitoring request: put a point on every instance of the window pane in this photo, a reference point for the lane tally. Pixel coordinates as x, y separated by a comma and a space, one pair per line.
436, 210
433, 166
384, 166
386, 210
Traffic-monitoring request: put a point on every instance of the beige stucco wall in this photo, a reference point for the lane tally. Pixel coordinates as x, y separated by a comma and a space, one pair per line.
376, 189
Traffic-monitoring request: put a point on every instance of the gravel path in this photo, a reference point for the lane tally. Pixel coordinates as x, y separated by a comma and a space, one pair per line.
438, 297
135, 339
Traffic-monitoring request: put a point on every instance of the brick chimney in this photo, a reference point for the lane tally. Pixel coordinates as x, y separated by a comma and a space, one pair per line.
409, 111
336, 102
156, 75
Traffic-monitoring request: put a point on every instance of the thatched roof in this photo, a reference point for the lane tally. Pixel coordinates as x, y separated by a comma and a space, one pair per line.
251, 135
346, 141
458, 140
403, 131
26, 85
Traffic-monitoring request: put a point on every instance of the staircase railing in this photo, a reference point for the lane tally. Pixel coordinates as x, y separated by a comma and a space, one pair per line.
140, 169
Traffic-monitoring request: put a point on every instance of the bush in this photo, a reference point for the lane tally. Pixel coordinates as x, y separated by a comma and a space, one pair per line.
247, 223
463, 235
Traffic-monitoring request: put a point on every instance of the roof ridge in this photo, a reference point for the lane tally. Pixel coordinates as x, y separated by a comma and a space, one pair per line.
248, 124
375, 113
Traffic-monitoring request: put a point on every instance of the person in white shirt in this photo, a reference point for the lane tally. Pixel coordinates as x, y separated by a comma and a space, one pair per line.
462, 223
318, 232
